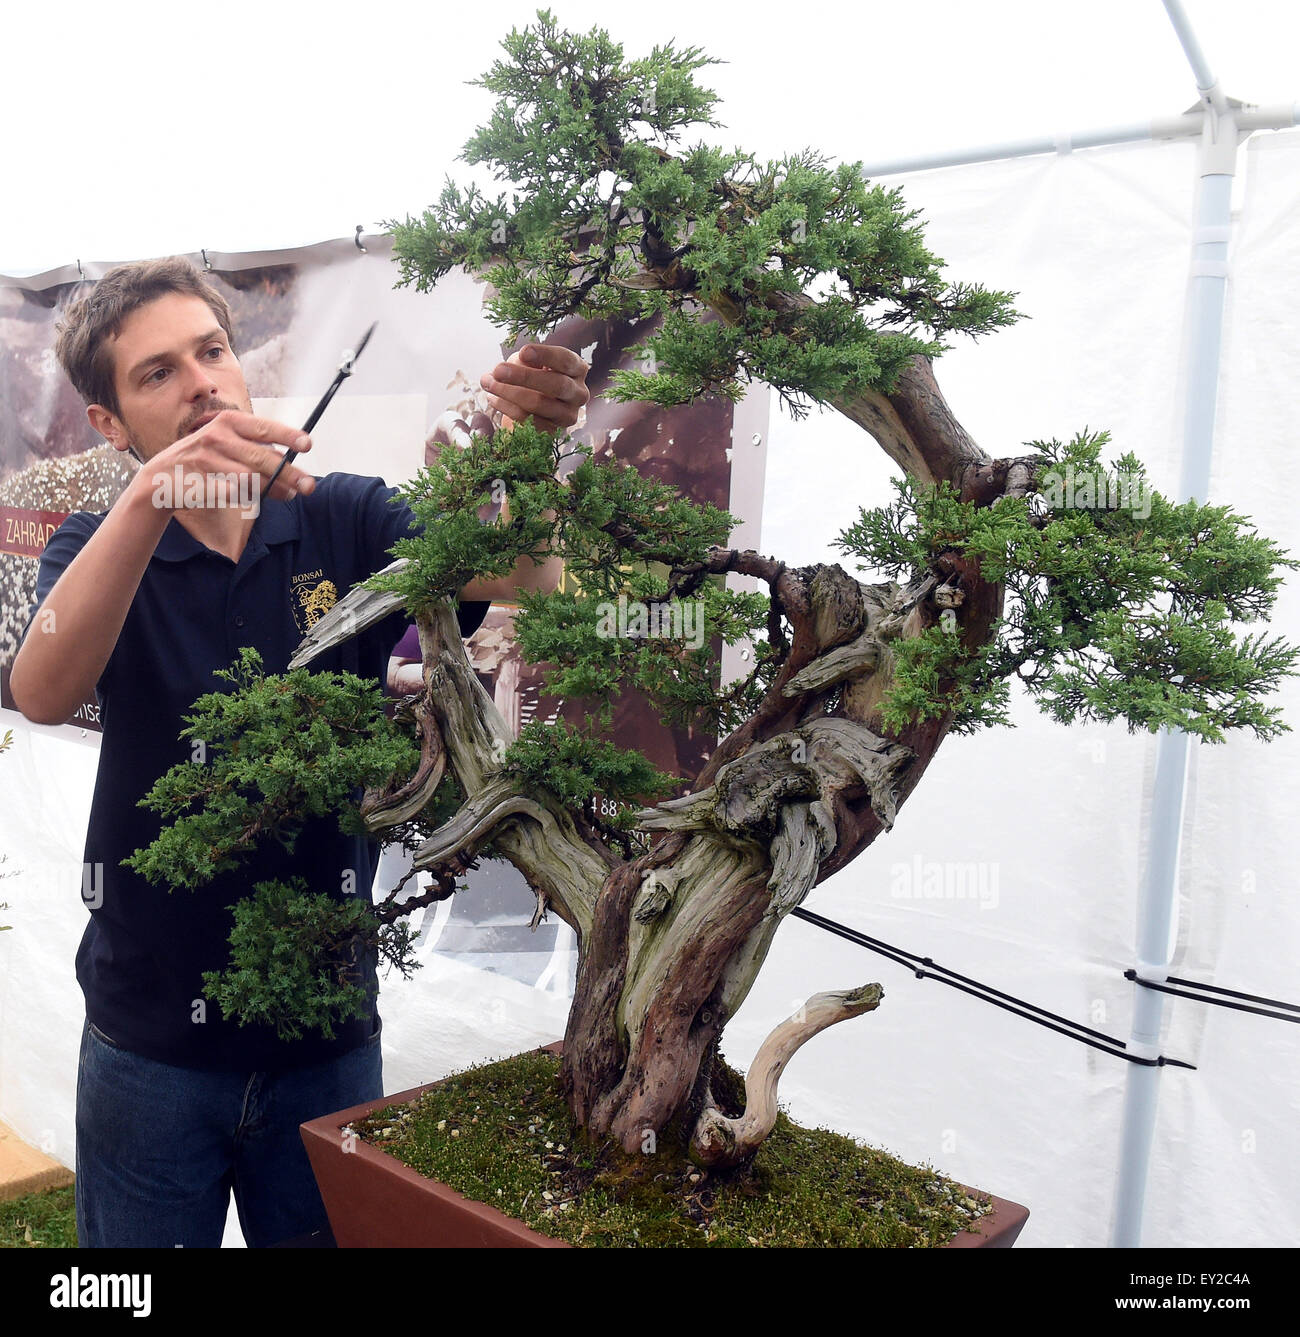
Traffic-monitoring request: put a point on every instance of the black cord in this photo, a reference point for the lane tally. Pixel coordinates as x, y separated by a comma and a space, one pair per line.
1232, 993
868, 941
1105, 1043
1218, 1002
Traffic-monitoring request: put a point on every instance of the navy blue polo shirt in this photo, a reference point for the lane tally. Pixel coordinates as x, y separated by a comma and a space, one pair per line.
144, 951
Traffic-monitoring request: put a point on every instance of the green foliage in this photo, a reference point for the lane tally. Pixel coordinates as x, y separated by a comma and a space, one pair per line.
822, 282
576, 767
445, 496
46, 1219
1119, 602
934, 673
292, 959
599, 518
619, 533
276, 750
270, 753
639, 639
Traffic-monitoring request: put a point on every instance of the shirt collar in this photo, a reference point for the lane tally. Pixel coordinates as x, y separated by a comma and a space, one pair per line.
276, 522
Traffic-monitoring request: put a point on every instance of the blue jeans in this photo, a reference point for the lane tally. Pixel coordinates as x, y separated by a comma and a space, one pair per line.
159, 1148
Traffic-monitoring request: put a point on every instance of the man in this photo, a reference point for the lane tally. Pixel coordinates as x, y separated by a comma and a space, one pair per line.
175, 1106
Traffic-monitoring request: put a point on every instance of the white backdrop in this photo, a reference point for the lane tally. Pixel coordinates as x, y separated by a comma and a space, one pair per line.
1097, 245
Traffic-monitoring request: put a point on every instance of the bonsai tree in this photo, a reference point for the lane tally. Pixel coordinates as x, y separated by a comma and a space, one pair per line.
1052, 568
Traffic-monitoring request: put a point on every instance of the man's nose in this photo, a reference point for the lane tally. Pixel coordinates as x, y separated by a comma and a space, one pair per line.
199, 381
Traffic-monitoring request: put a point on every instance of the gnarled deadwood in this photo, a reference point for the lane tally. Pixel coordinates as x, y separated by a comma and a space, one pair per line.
805, 838
534, 832
718, 1140
358, 609
390, 807
845, 661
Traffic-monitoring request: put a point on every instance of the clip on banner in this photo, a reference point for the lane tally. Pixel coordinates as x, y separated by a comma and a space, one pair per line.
345, 370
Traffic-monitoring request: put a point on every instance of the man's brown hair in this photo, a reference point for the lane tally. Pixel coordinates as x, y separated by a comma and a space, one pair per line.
90, 322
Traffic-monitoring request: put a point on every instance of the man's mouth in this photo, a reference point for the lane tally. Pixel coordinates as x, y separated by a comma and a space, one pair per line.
200, 422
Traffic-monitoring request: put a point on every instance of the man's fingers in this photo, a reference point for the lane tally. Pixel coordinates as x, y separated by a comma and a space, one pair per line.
264, 431
248, 444
518, 412
549, 384
545, 392
555, 356
519, 401
544, 382
290, 482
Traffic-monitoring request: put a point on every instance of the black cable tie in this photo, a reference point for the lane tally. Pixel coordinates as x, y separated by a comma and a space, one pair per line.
1215, 1002
1106, 1043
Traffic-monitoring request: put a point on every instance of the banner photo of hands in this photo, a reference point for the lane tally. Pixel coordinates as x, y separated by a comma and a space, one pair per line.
415, 393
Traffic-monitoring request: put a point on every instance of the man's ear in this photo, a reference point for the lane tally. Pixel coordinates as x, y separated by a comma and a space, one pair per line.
109, 426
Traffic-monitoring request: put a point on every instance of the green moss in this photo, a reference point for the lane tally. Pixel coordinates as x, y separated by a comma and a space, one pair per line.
500, 1133
39, 1221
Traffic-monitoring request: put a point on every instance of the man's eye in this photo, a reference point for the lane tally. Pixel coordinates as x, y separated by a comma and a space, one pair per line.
154, 375
217, 349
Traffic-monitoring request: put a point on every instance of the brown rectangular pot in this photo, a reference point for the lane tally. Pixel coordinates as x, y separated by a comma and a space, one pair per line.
375, 1202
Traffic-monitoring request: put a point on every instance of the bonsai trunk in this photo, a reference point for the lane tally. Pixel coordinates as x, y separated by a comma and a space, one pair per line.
670, 943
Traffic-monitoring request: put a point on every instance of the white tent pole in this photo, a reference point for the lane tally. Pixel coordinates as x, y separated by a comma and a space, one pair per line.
1206, 84
1156, 905
1281, 116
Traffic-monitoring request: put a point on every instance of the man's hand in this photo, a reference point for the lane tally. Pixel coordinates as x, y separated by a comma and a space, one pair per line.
231, 445
544, 382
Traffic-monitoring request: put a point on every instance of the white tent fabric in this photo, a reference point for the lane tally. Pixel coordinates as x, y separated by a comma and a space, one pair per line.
1097, 245
1048, 823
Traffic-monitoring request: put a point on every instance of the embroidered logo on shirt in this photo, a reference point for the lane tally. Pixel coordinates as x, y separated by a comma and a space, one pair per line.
312, 597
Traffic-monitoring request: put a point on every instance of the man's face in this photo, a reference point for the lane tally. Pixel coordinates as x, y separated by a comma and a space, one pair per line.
173, 370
